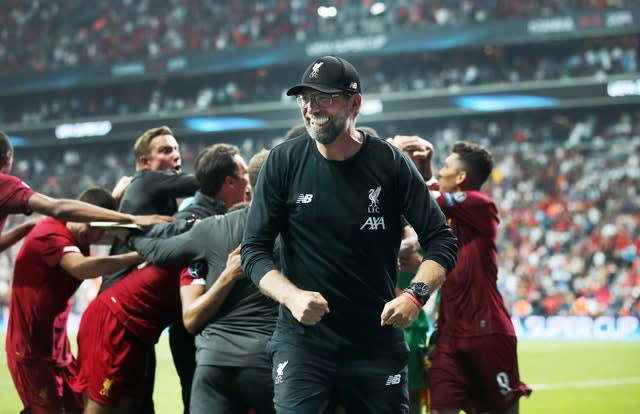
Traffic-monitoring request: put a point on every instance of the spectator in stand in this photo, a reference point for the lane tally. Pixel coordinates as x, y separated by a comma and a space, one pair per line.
121, 31
568, 58
51, 264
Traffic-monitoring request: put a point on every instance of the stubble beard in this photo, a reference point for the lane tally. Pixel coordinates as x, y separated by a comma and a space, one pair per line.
327, 134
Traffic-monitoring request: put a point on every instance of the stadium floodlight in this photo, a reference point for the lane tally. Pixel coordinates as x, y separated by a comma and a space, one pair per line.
377, 8
327, 12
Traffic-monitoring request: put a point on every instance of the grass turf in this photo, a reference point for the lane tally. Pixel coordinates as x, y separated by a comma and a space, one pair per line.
568, 377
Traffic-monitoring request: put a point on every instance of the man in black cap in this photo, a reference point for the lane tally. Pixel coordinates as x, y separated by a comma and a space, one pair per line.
336, 196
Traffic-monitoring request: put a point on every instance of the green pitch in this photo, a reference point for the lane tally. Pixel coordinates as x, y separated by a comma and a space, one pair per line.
581, 377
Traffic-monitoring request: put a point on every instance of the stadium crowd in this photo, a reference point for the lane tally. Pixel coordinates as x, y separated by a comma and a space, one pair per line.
594, 57
570, 231
64, 34
566, 183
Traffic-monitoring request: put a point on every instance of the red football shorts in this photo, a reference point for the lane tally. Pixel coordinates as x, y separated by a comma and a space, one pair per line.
43, 387
478, 373
111, 360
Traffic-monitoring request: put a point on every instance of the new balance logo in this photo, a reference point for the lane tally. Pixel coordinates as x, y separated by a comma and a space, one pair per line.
394, 379
373, 223
304, 198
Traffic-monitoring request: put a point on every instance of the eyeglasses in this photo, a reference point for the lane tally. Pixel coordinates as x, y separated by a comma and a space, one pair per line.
320, 99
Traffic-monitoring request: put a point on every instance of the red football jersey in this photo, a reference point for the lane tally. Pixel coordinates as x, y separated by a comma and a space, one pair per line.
14, 196
470, 302
145, 301
41, 295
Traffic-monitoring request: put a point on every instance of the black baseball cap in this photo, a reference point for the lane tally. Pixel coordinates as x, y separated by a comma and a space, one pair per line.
329, 74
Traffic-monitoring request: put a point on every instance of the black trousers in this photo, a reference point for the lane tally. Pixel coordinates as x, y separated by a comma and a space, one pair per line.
183, 351
150, 379
232, 390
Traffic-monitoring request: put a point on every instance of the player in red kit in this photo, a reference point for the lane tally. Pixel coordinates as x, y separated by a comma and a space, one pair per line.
51, 264
116, 332
475, 365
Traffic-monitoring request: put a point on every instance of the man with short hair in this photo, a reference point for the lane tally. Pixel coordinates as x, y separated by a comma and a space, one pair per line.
222, 178
475, 364
157, 183
232, 318
336, 196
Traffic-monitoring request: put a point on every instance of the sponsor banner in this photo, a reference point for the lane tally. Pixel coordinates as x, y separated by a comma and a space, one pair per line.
577, 327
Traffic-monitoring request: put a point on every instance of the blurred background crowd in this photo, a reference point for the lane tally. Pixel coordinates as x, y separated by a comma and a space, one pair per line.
567, 179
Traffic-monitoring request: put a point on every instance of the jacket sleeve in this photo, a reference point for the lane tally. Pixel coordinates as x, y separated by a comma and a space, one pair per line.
165, 230
177, 250
174, 185
266, 215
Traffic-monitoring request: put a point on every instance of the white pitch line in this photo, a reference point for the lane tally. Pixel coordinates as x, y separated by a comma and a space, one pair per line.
587, 384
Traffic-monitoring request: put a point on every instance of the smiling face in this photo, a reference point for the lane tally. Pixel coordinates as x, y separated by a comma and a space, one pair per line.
325, 116
164, 155
451, 175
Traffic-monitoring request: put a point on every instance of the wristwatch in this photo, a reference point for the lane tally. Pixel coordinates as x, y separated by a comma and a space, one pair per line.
420, 291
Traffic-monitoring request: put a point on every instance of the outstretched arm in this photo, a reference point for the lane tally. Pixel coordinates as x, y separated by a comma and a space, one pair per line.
74, 210
11, 237
177, 250
87, 267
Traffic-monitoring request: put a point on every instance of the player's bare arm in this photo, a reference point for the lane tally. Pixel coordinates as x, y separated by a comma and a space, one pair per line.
199, 307
12, 236
74, 210
88, 267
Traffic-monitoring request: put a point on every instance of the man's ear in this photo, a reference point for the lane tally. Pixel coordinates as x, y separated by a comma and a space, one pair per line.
143, 161
357, 103
461, 177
